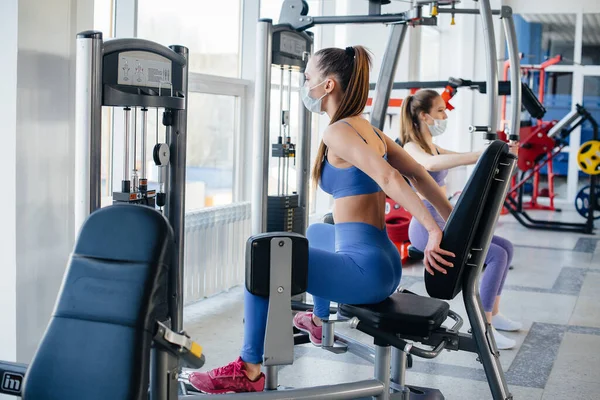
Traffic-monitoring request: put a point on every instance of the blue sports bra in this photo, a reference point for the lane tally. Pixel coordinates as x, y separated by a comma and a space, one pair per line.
351, 181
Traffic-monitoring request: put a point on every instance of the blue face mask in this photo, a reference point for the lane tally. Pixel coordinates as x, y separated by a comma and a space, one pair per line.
313, 105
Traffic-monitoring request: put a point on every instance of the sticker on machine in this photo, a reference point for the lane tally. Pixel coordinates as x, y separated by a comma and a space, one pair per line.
11, 383
144, 69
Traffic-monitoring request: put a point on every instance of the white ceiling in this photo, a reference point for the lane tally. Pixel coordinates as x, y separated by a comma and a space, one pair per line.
561, 27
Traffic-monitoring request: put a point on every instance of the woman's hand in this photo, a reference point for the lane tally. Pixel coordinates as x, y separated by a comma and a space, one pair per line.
433, 253
513, 147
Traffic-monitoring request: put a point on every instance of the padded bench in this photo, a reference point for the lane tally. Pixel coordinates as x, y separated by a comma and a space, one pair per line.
401, 314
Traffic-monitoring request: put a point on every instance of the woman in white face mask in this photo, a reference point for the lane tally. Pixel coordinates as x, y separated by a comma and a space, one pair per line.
423, 117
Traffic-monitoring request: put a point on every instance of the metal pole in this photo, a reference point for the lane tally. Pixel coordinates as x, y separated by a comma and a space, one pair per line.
159, 378
492, 67
271, 377
281, 136
289, 107
144, 133
88, 125
262, 95
134, 175
175, 202
515, 74
303, 157
383, 89
382, 370
464, 11
126, 149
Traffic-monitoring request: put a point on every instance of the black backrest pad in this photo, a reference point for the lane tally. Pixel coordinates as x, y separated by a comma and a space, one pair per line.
462, 228
258, 262
97, 344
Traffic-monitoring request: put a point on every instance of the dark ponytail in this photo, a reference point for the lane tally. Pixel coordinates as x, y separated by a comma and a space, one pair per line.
351, 68
412, 105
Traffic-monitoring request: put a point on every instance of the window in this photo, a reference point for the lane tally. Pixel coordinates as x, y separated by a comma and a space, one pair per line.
591, 40
103, 22
103, 17
212, 124
591, 102
543, 36
429, 62
557, 94
211, 33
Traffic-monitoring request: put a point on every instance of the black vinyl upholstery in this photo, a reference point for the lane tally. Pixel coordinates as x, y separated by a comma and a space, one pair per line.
402, 314
97, 343
258, 262
461, 228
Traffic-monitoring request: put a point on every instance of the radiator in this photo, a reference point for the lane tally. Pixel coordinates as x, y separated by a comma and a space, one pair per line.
215, 244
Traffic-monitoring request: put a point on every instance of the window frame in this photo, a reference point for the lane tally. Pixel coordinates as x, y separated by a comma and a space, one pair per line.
238, 88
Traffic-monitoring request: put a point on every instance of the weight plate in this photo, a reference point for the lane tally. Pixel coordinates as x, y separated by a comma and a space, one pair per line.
588, 157
582, 202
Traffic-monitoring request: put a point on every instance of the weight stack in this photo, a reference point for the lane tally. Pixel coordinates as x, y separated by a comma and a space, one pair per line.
283, 214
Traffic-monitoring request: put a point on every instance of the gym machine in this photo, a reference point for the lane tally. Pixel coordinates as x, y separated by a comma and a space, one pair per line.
294, 19
286, 48
143, 247
99, 342
145, 80
146, 352
286, 52
587, 200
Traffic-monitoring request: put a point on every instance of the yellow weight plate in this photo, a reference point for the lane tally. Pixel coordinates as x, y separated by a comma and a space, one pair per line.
588, 157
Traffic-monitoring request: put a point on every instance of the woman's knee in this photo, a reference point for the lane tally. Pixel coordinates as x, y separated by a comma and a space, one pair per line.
497, 255
504, 243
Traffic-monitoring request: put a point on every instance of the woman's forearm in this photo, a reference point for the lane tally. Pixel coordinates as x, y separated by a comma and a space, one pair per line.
447, 161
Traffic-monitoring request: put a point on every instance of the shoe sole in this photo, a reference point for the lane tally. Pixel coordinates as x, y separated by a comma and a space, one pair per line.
310, 336
508, 330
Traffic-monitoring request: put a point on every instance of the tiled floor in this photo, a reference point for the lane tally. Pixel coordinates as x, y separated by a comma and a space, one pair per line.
554, 289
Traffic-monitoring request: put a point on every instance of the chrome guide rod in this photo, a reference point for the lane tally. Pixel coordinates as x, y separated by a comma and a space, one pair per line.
515, 73
260, 140
492, 67
88, 118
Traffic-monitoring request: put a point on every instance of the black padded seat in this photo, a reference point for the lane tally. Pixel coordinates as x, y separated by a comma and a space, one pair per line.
401, 314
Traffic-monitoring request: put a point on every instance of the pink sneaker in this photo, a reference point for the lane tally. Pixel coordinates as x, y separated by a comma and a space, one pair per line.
304, 322
231, 378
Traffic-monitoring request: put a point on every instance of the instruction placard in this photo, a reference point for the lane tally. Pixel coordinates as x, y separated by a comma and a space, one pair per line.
138, 68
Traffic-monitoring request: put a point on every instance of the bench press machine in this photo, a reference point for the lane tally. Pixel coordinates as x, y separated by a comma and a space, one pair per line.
110, 334
99, 341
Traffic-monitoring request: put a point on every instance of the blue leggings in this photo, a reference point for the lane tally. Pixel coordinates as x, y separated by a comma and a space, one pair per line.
498, 258
351, 263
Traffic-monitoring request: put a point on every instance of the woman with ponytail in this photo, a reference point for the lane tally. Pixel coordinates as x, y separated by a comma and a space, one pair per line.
423, 116
353, 261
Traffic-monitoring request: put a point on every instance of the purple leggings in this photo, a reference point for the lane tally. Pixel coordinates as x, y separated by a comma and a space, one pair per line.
498, 258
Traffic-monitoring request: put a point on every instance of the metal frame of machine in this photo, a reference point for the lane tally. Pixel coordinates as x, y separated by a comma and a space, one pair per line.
132, 74
99, 84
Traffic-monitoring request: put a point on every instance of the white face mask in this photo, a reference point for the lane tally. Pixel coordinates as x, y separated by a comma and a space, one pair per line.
438, 127
313, 105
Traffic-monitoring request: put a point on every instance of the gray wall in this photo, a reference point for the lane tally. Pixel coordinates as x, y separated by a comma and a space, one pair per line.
8, 116
44, 158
